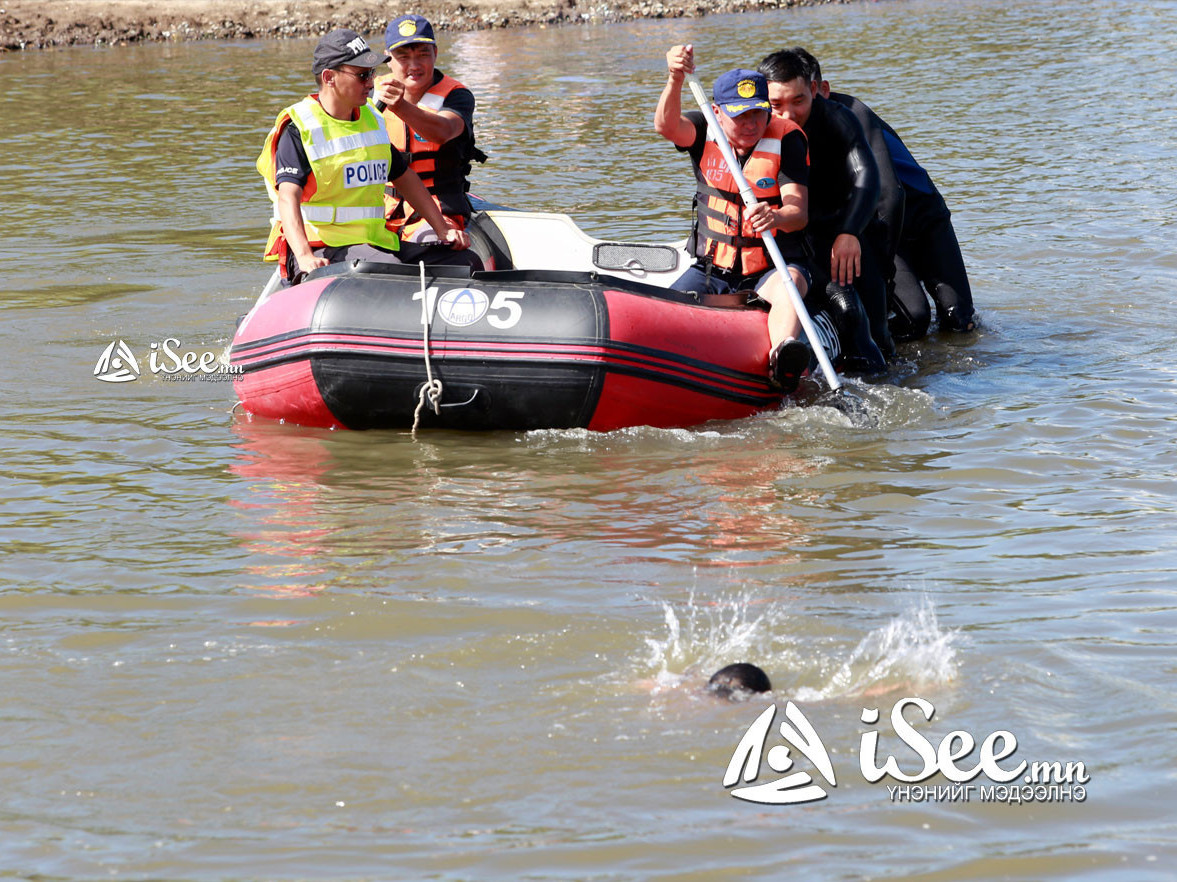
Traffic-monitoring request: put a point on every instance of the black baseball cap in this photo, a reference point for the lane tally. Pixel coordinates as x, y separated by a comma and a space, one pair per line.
342, 46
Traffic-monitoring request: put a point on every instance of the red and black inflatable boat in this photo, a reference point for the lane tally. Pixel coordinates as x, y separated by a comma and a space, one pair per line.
601, 343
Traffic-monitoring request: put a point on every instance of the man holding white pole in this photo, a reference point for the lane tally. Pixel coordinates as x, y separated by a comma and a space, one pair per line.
727, 237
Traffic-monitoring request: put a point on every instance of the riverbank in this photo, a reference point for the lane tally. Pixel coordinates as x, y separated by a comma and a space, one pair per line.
36, 24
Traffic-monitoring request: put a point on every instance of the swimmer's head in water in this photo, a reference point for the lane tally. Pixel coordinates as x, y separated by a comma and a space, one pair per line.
738, 680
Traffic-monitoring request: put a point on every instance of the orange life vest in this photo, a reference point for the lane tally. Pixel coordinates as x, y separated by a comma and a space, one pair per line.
722, 233
442, 167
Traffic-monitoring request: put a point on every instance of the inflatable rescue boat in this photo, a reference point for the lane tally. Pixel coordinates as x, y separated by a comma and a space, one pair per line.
563, 331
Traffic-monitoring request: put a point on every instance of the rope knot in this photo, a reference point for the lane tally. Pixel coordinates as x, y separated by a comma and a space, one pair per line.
431, 391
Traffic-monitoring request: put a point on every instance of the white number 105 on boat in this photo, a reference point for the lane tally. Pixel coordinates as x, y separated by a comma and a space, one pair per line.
465, 306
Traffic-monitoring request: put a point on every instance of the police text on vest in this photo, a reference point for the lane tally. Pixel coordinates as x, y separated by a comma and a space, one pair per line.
361, 174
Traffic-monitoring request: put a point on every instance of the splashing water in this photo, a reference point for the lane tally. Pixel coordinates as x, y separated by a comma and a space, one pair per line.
910, 651
703, 637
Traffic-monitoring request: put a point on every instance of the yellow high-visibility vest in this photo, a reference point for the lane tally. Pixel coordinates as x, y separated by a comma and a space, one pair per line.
343, 200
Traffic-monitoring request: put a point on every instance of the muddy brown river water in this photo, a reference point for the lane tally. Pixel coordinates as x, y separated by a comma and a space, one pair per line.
239, 650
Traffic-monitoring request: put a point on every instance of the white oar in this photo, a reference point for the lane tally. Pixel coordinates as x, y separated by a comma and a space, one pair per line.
769, 242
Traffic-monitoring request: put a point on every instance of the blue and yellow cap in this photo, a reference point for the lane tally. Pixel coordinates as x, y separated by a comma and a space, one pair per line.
406, 29
740, 90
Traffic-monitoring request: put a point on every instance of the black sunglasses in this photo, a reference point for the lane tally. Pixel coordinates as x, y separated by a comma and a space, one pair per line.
365, 77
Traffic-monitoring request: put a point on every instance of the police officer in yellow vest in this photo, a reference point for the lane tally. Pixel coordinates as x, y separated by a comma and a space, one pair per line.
431, 119
727, 236
326, 163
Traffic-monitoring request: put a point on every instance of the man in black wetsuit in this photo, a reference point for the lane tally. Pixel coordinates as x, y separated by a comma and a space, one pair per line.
844, 194
929, 255
921, 239
883, 232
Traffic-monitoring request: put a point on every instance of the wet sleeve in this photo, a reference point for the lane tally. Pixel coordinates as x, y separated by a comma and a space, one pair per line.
862, 171
399, 164
910, 173
290, 159
794, 159
890, 208
461, 102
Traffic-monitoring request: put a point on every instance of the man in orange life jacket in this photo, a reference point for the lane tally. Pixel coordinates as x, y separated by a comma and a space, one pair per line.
431, 118
326, 162
727, 236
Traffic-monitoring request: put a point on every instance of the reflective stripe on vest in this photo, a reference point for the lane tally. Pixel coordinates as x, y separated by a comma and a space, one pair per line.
326, 214
721, 231
319, 145
343, 201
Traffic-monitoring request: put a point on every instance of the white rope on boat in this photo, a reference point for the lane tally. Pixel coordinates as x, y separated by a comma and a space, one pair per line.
431, 391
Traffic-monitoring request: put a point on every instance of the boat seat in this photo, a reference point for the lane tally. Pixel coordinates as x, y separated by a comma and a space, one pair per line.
526, 240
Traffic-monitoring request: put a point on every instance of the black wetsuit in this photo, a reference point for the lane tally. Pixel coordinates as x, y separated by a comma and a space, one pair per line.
885, 229
843, 198
928, 256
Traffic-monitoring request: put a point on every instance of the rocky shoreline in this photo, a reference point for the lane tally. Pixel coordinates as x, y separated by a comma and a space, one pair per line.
26, 24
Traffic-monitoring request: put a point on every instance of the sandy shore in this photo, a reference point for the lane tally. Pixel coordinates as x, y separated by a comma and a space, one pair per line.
44, 24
